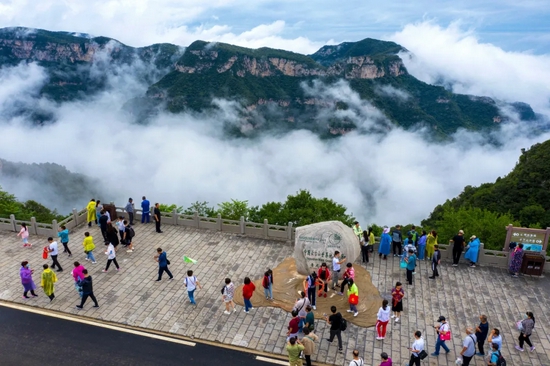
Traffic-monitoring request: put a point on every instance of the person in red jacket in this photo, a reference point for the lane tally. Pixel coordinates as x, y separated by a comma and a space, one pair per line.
248, 290
323, 273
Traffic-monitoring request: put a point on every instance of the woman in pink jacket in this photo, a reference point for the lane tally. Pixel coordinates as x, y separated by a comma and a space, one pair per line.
24, 234
78, 276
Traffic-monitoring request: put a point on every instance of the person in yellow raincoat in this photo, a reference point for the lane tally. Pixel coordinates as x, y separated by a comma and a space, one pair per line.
431, 240
91, 212
48, 280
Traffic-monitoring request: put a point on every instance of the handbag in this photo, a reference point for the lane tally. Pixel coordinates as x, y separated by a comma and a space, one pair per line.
519, 325
353, 299
167, 261
403, 264
446, 336
422, 354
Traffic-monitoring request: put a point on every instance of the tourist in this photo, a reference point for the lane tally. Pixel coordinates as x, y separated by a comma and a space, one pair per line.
431, 242
310, 285
353, 297
119, 223
516, 260
163, 262
228, 291
495, 337
323, 273
300, 307
145, 210
413, 235
365, 247
78, 275
386, 360
129, 234
383, 317
468, 347
294, 347
527, 326
357, 361
112, 235
443, 334
385, 240
157, 217
89, 247
270, 282
357, 230
495, 355
436, 261
397, 238
24, 234
293, 325
87, 290
111, 257
473, 251
103, 220
335, 321
26, 279
349, 275
63, 234
481, 334
248, 291
408, 244
129, 208
191, 283
90, 208
416, 348
308, 341
47, 282
268, 286
372, 240
397, 295
422, 245
309, 322
336, 262
52, 249
458, 247
411, 265
98, 209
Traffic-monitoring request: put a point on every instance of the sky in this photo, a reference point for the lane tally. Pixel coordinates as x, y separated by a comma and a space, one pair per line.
494, 48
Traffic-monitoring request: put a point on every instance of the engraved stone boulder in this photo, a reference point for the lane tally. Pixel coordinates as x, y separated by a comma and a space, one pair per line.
316, 243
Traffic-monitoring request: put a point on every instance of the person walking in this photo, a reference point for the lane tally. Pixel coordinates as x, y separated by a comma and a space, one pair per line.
87, 290
386, 360
192, 284
416, 348
112, 236
516, 260
294, 347
323, 273
310, 285
458, 247
385, 242
365, 247
397, 239
156, 212
383, 317
228, 291
443, 334
129, 208
111, 257
431, 242
163, 261
472, 251
78, 276
48, 280
411, 265
248, 291
63, 234
436, 261
300, 306
24, 234
89, 247
527, 326
468, 347
145, 210
129, 234
335, 321
308, 341
422, 245
336, 262
52, 249
90, 208
495, 355
482, 330
293, 325
397, 295
25, 272
357, 361
353, 297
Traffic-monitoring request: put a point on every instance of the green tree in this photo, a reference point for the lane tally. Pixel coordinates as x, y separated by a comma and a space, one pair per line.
233, 210
201, 208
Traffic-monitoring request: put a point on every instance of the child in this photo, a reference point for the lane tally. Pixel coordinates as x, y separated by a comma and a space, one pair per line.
64, 237
191, 283
248, 291
24, 234
89, 246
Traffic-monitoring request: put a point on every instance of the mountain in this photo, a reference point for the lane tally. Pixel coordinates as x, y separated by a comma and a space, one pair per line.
273, 89
524, 193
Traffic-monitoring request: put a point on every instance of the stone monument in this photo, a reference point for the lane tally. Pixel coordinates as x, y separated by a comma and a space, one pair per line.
316, 243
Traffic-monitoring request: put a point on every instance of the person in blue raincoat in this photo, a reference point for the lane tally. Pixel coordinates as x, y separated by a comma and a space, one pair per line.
385, 243
473, 251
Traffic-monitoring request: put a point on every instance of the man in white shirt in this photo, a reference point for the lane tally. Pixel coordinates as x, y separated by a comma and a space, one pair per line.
336, 262
442, 335
416, 348
357, 361
52, 249
468, 347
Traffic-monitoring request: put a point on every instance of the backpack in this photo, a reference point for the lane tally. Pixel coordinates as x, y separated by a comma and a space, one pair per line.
343, 323
131, 231
223, 289
500, 360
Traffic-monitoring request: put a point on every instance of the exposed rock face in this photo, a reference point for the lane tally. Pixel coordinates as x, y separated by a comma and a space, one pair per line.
316, 243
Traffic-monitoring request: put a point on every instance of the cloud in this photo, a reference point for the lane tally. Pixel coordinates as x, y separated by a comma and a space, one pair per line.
392, 92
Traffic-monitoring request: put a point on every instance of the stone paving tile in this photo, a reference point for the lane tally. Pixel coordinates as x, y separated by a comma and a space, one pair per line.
132, 297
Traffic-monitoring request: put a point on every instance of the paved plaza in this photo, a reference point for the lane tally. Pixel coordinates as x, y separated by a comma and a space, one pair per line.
132, 296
